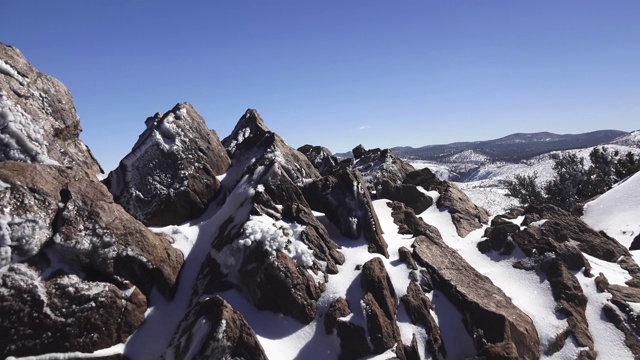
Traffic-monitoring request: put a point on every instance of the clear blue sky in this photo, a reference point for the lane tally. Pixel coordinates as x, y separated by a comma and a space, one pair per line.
339, 73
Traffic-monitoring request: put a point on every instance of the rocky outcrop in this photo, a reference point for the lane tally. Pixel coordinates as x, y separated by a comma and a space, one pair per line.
418, 308
466, 215
320, 157
38, 121
377, 165
408, 194
491, 318
380, 306
81, 223
169, 176
64, 313
343, 197
212, 329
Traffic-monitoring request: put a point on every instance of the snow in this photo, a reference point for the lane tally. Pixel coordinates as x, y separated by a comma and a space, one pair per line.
7, 69
616, 212
25, 234
113, 350
21, 139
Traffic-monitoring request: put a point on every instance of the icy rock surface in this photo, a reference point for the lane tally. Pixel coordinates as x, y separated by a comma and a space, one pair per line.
38, 121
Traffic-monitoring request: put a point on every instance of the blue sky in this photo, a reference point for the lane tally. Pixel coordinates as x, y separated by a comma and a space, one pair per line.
339, 73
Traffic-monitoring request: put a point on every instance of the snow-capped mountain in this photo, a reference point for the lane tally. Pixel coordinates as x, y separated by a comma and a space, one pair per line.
246, 248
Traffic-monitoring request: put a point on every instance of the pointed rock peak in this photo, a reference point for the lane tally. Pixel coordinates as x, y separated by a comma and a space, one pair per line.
249, 126
169, 175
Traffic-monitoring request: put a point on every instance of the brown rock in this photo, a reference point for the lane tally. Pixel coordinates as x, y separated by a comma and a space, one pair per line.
353, 341
225, 336
466, 216
344, 199
338, 308
40, 123
383, 332
407, 194
169, 175
319, 156
63, 314
490, 313
274, 282
418, 308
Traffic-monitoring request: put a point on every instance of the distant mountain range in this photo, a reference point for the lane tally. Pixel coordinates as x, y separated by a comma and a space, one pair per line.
511, 148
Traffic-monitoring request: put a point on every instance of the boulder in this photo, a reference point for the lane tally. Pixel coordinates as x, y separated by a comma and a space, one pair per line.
83, 225
338, 308
212, 329
377, 165
38, 121
410, 195
63, 314
169, 176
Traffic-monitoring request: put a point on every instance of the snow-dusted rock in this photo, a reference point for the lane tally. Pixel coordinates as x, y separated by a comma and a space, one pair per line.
169, 176
343, 196
320, 157
44, 204
38, 121
376, 165
466, 215
212, 329
498, 327
64, 313
409, 194
419, 309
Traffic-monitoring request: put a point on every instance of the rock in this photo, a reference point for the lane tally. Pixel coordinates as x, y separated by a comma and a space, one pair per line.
338, 308
38, 121
571, 301
491, 316
252, 143
383, 332
275, 283
212, 329
418, 308
319, 156
169, 175
635, 244
630, 339
407, 194
374, 279
377, 165
358, 151
64, 313
404, 255
466, 216
343, 197
353, 341
87, 228
499, 237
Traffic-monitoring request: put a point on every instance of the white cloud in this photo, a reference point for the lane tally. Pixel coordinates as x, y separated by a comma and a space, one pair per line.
363, 127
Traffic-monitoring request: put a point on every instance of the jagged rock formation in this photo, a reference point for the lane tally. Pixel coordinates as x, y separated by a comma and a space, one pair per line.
38, 121
499, 328
292, 239
75, 269
343, 196
320, 157
377, 165
169, 176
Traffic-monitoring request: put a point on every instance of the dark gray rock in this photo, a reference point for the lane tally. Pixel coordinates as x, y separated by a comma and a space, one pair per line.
169, 176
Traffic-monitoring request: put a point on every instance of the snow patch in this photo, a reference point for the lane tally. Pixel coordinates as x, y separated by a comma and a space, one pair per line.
7, 69
21, 139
